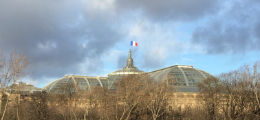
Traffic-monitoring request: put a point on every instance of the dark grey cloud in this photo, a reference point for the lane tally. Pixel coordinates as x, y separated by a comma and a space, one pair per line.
52, 33
235, 30
170, 10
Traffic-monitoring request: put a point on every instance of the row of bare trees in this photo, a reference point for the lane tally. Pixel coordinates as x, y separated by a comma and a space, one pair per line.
230, 96
233, 95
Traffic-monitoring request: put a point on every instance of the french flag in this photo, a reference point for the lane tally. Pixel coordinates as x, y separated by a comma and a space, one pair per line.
133, 43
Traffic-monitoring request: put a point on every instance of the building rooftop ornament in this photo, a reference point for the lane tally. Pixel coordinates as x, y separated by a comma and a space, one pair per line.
129, 68
130, 62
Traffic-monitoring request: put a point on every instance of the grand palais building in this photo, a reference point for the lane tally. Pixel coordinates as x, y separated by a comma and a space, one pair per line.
186, 78
184, 82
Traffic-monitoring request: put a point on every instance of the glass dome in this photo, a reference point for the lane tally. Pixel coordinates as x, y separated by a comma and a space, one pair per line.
182, 77
82, 82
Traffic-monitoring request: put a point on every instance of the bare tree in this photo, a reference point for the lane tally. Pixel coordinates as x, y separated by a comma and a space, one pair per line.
252, 75
211, 88
11, 70
40, 104
156, 97
235, 94
93, 102
129, 93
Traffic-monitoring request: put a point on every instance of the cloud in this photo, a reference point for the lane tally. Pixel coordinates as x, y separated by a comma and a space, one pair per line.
122, 61
234, 30
59, 36
156, 43
170, 10
81, 37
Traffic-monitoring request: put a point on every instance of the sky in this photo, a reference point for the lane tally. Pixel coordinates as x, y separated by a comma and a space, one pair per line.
92, 37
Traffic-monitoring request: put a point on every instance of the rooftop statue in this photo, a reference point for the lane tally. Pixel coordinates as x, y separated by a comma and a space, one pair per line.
130, 62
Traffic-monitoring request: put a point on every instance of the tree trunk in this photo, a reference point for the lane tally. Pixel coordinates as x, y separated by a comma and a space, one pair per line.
1, 95
5, 107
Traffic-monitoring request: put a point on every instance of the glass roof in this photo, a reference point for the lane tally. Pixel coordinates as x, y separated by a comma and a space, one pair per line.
82, 82
180, 75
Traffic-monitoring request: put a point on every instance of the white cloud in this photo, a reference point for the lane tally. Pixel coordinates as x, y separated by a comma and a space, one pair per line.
112, 56
47, 45
187, 59
101, 4
160, 42
85, 43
